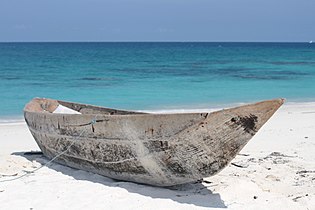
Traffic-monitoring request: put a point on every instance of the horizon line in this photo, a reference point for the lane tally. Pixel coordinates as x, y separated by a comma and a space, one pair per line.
153, 41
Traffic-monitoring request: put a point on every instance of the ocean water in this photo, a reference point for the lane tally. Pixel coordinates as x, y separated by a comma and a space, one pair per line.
154, 76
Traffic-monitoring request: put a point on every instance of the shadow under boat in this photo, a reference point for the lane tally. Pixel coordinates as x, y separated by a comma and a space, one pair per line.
196, 193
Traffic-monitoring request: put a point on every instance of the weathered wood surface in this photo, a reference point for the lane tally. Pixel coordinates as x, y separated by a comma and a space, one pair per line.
155, 149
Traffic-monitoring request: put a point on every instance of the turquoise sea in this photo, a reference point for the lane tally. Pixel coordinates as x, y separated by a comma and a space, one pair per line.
153, 76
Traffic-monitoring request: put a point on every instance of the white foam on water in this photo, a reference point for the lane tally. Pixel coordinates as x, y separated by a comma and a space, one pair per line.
12, 121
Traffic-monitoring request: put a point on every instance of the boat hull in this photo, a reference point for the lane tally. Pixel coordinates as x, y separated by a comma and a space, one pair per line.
155, 149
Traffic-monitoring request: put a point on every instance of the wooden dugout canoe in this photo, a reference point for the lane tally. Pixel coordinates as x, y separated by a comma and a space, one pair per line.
155, 149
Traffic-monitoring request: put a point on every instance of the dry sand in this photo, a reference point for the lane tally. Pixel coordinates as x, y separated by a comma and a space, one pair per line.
276, 170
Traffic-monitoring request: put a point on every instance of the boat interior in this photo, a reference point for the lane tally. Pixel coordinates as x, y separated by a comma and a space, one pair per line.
63, 107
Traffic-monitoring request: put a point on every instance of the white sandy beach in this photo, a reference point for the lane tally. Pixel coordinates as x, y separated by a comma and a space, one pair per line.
276, 170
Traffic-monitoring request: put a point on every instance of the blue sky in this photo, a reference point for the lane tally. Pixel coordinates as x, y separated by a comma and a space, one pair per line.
158, 20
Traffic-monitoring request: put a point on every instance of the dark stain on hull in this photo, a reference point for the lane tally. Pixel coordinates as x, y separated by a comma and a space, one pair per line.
248, 123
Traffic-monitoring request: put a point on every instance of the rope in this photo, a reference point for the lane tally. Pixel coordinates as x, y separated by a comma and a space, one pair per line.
93, 121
